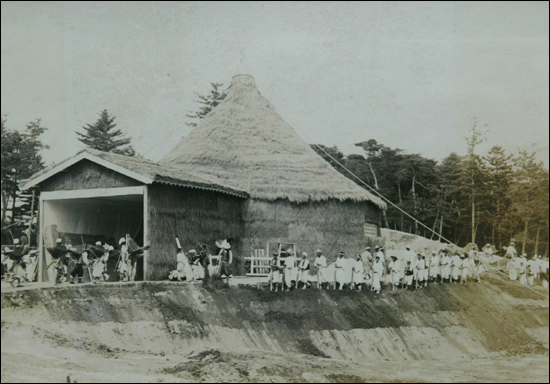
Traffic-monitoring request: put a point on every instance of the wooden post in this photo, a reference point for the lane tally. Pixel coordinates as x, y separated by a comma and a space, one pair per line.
145, 232
440, 228
40, 240
32, 217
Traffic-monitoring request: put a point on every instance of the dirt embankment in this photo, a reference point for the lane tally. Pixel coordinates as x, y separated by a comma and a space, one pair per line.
436, 322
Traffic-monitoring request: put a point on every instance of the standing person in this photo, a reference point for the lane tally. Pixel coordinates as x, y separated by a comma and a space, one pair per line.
395, 271
226, 261
340, 273
377, 271
456, 263
303, 271
31, 266
445, 267
478, 267
488, 251
522, 273
78, 270
290, 270
274, 275
59, 254
321, 267
421, 271
417, 270
181, 259
100, 268
358, 274
464, 268
435, 267
511, 251
122, 267
409, 275
513, 269
531, 271
367, 260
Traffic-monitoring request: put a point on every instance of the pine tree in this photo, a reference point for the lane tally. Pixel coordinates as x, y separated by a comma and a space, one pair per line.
20, 159
500, 172
103, 136
208, 102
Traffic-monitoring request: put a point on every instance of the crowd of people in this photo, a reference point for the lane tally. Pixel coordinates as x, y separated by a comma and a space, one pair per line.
374, 268
526, 271
69, 262
371, 270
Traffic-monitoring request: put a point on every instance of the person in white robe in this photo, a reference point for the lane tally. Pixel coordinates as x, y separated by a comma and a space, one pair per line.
522, 271
513, 268
409, 275
303, 271
358, 274
456, 263
464, 269
290, 271
445, 267
395, 272
435, 268
340, 274
320, 265
377, 271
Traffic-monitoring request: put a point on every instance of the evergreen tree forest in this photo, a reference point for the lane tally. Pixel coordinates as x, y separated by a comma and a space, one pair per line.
494, 197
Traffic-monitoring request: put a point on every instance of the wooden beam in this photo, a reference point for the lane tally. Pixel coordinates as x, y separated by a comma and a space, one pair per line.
90, 193
40, 240
145, 231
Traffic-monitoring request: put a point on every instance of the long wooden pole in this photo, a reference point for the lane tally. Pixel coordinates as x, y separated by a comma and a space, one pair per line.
32, 217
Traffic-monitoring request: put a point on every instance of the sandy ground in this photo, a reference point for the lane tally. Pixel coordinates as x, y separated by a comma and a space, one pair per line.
44, 364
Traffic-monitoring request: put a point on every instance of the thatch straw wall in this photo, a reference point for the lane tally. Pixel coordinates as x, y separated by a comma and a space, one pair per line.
194, 216
331, 226
87, 175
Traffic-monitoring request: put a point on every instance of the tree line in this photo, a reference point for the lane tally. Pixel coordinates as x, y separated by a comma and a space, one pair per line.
494, 198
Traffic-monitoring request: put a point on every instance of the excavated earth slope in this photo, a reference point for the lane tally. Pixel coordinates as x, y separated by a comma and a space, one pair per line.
186, 332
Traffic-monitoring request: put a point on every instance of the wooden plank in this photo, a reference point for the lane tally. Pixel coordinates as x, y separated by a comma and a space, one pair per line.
89, 193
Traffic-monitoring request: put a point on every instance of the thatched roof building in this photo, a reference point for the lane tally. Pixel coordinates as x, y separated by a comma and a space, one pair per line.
295, 195
245, 142
243, 173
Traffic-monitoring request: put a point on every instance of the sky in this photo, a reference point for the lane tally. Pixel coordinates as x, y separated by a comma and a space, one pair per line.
412, 75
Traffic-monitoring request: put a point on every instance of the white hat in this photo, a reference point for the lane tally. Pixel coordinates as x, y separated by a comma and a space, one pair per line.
434, 253
407, 247
223, 244
59, 240
122, 240
304, 254
98, 243
192, 251
318, 251
111, 248
15, 241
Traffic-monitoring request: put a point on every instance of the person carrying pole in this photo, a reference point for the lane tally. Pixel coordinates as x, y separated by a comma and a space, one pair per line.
409, 275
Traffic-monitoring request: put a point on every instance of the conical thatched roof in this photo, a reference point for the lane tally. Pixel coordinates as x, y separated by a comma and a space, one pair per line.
246, 142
